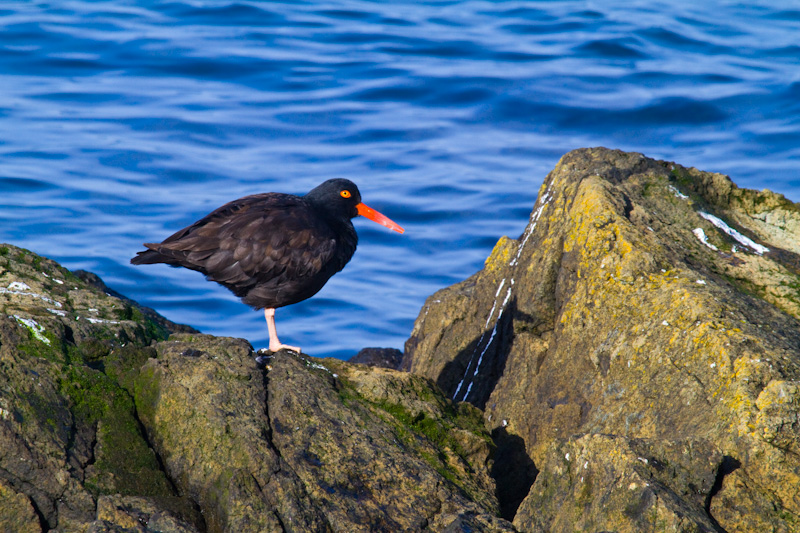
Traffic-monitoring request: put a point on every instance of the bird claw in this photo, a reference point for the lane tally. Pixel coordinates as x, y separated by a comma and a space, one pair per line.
278, 347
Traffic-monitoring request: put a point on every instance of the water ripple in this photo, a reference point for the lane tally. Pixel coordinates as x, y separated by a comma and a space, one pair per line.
125, 121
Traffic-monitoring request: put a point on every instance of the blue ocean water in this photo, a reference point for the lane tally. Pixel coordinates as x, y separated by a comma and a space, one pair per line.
121, 122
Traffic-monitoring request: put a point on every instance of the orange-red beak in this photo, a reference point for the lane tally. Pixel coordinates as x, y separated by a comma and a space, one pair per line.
374, 216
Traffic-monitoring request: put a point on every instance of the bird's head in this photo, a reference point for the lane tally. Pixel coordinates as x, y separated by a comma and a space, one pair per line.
341, 198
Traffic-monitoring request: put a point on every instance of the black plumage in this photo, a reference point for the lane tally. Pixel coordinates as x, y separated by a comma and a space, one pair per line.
272, 249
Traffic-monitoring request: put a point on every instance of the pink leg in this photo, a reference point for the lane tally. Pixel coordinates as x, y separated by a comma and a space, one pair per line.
274, 344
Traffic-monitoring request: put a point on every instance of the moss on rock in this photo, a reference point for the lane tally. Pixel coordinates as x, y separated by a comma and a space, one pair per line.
69, 353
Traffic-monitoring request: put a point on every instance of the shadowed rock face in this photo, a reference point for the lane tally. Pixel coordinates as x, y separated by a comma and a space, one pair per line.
382, 357
646, 305
106, 426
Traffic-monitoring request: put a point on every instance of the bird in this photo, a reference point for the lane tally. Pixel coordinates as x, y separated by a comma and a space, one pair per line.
271, 249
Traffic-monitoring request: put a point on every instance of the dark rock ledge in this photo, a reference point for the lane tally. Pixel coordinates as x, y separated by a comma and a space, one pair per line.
630, 363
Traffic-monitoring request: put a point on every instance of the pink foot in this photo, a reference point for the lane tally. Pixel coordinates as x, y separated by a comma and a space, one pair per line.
277, 346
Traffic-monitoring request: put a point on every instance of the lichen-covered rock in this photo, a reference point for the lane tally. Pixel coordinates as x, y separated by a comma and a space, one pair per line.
307, 445
636, 355
68, 428
203, 402
610, 483
644, 300
134, 514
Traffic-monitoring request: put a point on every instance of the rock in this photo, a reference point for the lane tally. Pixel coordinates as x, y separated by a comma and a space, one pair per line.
95, 281
382, 357
647, 302
203, 401
17, 512
312, 445
68, 427
606, 482
107, 425
132, 513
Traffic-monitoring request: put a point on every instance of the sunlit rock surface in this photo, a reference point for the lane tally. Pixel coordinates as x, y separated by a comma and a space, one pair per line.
646, 306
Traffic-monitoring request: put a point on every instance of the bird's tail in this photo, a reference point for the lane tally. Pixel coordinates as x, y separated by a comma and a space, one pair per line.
151, 257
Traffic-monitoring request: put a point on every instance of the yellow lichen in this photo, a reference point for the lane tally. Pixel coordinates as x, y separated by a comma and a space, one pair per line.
501, 253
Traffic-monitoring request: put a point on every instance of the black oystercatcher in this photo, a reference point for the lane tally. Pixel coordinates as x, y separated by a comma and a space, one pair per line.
271, 249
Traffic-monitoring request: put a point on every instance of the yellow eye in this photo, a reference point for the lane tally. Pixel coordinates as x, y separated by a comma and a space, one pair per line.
345, 194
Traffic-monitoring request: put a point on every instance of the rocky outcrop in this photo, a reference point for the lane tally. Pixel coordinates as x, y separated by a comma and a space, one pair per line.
630, 363
636, 352
114, 419
312, 445
68, 431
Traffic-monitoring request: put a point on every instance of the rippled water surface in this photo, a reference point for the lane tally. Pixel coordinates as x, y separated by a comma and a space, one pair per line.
121, 122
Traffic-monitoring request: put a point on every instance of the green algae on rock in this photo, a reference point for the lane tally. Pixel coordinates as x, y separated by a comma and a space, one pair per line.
68, 428
644, 301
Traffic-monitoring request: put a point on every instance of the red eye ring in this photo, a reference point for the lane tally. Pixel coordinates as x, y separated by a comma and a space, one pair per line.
345, 194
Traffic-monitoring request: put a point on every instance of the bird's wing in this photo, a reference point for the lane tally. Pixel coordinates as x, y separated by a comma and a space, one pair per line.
253, 240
